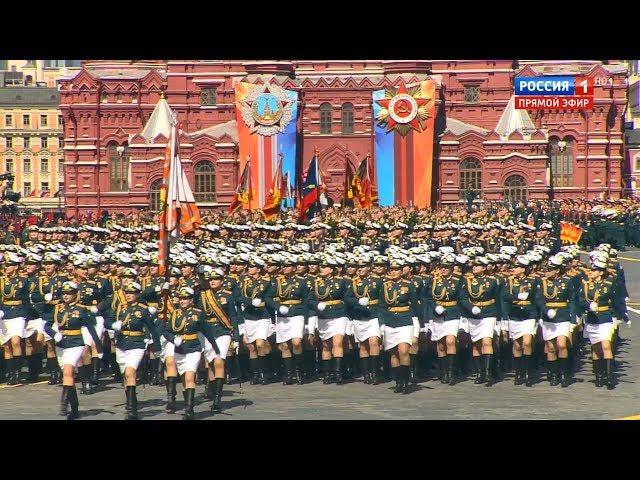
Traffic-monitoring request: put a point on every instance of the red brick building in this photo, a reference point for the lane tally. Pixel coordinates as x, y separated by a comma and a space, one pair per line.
113, 152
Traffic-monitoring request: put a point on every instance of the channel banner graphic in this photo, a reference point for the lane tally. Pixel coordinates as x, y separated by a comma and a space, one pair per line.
404, 143
267, 126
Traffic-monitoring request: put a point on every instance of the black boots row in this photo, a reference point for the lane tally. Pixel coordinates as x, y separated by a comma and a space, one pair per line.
484, 370
331, 371
447, 373
558, 372
13, 367
214, 391
291, 376
523, 370
370, 369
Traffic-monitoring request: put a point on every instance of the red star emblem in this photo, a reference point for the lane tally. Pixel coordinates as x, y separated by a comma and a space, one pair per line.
402, 109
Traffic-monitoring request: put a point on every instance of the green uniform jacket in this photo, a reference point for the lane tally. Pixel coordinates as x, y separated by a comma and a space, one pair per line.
220, 312
609, 297
135, 317
14, 300
515, 309
260, 288
70, 319
292, 292
336, 295
365, 287
444, 291
39, 286
187, 323
398, 301
484, 292
558, 294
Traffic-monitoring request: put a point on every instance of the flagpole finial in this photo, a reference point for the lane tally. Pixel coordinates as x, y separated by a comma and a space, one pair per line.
163, 94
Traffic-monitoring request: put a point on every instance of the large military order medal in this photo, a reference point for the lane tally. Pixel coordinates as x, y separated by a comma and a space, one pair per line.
266, 110
403, 110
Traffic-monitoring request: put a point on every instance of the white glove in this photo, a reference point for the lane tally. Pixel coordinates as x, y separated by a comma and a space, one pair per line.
153, 310
116, 326
475, 310
414, 319
100, 356
523, 295
540, 322
364, 301
551, 313
158, 289
93, 310
628, 323
256, 302
283, 310
593, 306
165, 286
1, 314
177, 341
58, 337
439, 309
48, 297
321, 306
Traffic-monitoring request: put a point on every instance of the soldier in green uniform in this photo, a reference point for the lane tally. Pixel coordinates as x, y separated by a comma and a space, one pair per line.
397, 305
181, 330
129, 320
290, 298
65, 327
557, 306
219, 307
14, 308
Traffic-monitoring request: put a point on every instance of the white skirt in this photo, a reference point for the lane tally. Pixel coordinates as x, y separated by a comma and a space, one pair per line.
329, 327
289, 327
222, 342
504, 325
416, 328
552, 330
256, 329
14, 327
166, 348
86, 336
522, 327
69, 356
35, 326
311, 326
188, 362
129, 358
598, 332
365, 329
480, 328
272, 328
444, 328
464, 324
396, 336
427, 328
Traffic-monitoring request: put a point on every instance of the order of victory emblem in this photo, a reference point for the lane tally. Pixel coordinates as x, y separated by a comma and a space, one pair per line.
403, 110
267, 110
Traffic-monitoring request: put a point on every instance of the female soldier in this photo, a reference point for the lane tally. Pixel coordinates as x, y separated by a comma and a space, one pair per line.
557, 305
442, 306
66, 329
291, 297
329, 297
602, 298
129, 320
221, 319
256, 292
14, 305
366, 328
481, 298
182, 330
397, 302
521, 311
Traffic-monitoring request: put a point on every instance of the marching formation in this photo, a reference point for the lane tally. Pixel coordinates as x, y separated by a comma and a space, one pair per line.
290, 302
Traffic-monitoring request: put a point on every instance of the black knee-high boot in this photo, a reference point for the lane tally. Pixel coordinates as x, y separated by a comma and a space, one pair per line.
10, 368
35, 366
64, 400
132, 403
412, 368
597, 372
217, 395
366, 369
53, 369
397, 377
338, 370
95, 371
324, 368
73, 403
255, 370
610, 380
171, 394
480, 377
374, 369
189, 402
17, 368
518, 379
298, 360
115, 368
553, 368
488, 360
83, 373
451, 376
288, 371
564, 372
526, 370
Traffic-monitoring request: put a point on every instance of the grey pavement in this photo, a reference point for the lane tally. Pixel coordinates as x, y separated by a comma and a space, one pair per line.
355, 400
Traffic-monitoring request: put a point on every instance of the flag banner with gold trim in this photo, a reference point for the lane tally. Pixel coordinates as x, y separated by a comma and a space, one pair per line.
244, 191
570, 232
276, 194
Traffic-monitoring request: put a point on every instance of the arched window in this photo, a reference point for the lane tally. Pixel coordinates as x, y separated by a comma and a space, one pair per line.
561, 155
325, 118
470, 176
515, 189
205, 182
347, 118
119, 167
154, 195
